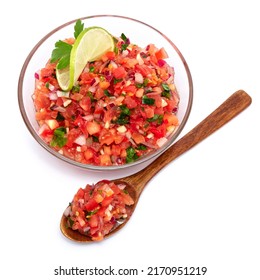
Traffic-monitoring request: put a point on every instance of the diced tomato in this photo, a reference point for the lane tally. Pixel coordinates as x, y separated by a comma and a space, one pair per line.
130, 102
161, 54
144, 70
91, 205
105, 159
119, 72
93, 221
85, 103
80, 193
170, 119
159, 131
107, 201
93, 127
138, 138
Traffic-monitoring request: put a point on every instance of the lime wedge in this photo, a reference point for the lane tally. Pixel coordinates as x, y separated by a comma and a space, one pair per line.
90, 45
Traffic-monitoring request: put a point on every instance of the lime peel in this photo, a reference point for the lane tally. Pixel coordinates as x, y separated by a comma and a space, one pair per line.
89, 46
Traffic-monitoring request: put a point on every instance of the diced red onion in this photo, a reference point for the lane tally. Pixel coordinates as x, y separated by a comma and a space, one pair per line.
121, 186
80, 140
58, 108
53, 96
63, 93
113, 64
36, 76
125, 53
149, 145
160, 142
161, 62
88, 118
67, 211
139, 78
43, 128
51, 87
92, 89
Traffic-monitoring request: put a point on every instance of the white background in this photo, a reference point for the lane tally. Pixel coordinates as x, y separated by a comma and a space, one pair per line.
201, 210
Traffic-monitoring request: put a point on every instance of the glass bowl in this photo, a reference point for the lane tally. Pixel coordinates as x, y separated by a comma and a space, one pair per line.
139, 33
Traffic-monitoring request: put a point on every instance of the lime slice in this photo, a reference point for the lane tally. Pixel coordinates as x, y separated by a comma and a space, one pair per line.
90, 45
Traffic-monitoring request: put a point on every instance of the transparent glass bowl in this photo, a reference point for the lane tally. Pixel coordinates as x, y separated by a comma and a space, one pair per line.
139, 33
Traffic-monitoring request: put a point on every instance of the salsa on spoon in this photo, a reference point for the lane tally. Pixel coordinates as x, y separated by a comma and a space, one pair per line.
132, 186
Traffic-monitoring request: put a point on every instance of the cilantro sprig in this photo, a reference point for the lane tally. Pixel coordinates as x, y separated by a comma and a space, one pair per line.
61, 53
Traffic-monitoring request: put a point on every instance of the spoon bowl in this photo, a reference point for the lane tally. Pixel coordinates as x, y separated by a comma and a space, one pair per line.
136, 183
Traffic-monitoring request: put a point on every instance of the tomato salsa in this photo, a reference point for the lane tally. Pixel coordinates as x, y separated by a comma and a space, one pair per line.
97, 209
122, 107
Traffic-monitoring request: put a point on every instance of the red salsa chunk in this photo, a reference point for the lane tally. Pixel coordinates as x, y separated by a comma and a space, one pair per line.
97, 209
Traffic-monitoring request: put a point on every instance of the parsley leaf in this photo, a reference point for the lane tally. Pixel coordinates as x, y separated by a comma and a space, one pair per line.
79, 26
61, 53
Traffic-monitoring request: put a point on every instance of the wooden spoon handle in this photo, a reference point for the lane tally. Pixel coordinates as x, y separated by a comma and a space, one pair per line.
235, 104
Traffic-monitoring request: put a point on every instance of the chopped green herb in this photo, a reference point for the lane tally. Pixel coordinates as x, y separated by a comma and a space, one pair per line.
75, 88
90, 213
156, 118
167, 91
144, 84
90, 95
95, 138
139, 85
124, 110
147, 100
123, 37
165, 87
117, 80
166, 94
60, 117
59, 138
124, 115
126, 42
107, 93
71, 222
47, 85
91, 69
131, 155
141, 147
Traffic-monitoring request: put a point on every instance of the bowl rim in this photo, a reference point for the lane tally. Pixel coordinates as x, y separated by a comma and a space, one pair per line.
144, 159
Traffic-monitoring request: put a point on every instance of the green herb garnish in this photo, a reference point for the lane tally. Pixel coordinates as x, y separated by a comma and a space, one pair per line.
156, 118
167, 92
131, 155
61, 53
141, 147
124, 115
60, 117
62, 50
126, 42
59, 138
147, 100
79, 26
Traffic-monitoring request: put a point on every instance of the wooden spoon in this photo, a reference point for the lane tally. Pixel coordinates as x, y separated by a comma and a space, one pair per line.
136, 183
